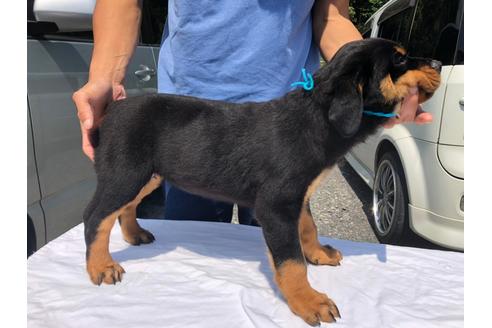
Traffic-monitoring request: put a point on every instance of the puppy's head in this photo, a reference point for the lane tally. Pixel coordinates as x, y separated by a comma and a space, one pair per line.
375, 74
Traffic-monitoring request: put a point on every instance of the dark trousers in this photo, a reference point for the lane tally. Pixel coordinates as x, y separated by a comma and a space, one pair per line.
181, 205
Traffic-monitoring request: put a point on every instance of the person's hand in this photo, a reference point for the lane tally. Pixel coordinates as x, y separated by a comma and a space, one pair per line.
410, 111
91, 101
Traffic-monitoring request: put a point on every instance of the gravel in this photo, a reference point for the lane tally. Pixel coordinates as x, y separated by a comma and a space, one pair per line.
341, 206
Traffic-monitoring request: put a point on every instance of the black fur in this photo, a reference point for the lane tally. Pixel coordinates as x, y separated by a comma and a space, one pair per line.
260, 155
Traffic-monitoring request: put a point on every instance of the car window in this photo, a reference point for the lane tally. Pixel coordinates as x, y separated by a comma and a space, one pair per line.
154, 14
435, 30
367, 28
397, 27
84, 36
460, 48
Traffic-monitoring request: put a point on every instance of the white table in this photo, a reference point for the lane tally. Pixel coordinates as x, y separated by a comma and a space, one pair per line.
204, 274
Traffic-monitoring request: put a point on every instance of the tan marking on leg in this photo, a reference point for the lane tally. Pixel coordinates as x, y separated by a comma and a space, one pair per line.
132, 232
303, 300
154, 182
312, 249
100, 265
308, 234
315, 184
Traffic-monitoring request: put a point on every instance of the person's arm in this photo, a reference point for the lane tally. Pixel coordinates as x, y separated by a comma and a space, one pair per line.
332, 28
116, 30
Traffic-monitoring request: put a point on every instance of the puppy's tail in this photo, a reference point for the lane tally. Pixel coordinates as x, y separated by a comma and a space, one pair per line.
94, 137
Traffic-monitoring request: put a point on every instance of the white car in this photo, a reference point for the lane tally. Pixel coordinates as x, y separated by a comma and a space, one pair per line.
416, 172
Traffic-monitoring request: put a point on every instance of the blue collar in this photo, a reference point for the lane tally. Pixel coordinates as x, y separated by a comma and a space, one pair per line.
379, 114
308, 84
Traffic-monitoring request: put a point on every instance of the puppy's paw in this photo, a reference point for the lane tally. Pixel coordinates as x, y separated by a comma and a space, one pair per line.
313, 307
138, 237
109, 272
325, 255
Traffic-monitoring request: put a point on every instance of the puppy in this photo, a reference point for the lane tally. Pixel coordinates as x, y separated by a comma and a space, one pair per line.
269, 156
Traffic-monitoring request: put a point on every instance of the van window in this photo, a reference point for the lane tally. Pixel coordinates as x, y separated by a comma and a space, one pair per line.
435, 30
154, 14
397, 27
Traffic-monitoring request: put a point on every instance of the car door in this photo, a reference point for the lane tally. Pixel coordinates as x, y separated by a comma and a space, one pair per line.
57, 65
394, 24
451, 145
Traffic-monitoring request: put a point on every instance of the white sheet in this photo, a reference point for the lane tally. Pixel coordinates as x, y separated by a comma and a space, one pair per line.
203, 274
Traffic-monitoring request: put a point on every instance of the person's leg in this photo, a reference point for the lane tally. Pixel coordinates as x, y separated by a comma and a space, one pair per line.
246, 216
181, 205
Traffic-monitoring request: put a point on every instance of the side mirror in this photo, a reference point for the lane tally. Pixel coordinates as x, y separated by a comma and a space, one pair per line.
68, 15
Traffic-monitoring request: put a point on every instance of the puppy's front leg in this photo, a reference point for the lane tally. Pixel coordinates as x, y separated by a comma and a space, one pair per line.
280, 222
313, 251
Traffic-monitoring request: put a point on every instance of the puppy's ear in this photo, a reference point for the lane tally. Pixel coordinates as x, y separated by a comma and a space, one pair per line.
345, 113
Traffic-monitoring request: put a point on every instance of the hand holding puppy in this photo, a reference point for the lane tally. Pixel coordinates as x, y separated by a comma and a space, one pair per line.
91, 101
410, 111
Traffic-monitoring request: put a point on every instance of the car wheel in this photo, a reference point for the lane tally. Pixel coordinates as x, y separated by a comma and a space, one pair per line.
390, 200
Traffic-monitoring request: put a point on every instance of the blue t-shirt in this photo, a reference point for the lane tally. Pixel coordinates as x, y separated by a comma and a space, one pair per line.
236, 50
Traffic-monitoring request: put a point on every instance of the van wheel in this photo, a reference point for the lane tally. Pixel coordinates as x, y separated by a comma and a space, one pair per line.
31, 238
390, 200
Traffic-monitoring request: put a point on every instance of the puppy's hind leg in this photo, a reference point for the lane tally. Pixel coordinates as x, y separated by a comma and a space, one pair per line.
132, 232
99, 263
114, 193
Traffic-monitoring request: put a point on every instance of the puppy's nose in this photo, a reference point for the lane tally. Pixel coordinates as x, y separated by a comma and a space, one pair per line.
436, 64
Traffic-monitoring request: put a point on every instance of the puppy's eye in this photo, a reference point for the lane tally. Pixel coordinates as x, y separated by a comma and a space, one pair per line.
399, 59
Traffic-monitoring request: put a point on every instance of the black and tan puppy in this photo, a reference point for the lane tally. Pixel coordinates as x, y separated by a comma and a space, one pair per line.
269, 156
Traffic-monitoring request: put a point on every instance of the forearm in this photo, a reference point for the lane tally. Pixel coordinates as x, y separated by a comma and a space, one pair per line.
116, 29
332, 27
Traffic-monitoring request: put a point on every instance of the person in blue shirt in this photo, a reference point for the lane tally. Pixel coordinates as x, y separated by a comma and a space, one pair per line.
237, 51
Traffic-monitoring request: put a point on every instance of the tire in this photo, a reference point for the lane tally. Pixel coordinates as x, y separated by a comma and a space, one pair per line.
31, 238
390, 200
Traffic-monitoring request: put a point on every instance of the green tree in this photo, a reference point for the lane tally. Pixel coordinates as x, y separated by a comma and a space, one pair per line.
361, 10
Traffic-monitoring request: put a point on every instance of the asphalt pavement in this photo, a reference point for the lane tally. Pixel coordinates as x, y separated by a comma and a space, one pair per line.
341, 206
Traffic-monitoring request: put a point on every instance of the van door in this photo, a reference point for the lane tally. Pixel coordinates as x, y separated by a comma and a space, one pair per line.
58, 65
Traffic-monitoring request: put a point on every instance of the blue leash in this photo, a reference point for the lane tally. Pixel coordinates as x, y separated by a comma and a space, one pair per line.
308, 84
